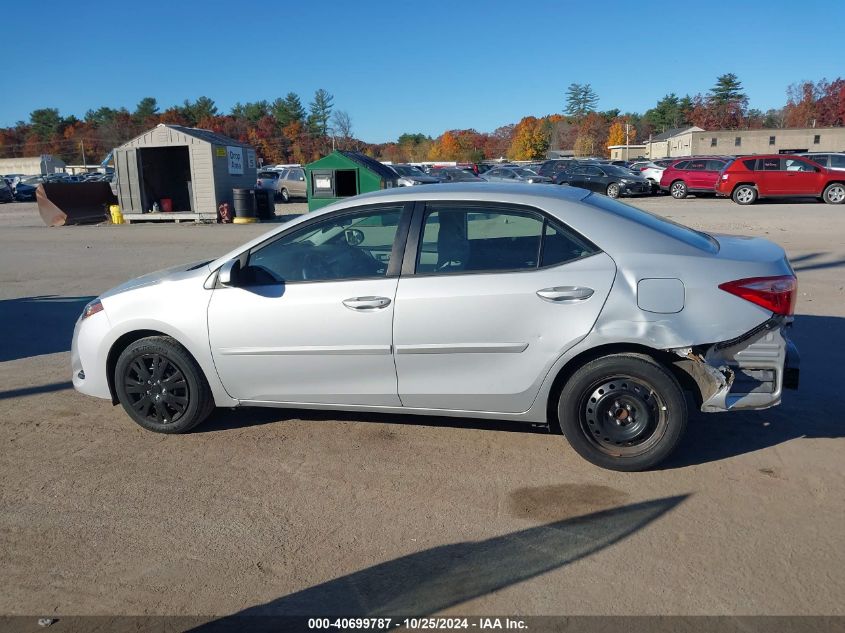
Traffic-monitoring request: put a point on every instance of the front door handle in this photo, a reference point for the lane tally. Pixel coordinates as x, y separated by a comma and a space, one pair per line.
565, 294
364, 304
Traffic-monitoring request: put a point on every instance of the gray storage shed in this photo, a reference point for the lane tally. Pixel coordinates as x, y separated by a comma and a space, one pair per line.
186, 170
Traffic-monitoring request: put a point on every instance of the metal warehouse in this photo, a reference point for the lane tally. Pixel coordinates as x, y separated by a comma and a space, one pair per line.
181, 172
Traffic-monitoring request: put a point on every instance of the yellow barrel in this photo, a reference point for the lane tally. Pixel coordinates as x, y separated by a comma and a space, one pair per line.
116, 215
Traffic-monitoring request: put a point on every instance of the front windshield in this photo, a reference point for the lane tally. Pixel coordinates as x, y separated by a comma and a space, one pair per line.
407, 170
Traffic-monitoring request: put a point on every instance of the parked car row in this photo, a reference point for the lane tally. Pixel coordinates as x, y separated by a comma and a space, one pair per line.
745, 179
23, 187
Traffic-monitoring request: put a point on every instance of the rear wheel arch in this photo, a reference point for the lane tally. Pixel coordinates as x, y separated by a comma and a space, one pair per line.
746, 184
663, 358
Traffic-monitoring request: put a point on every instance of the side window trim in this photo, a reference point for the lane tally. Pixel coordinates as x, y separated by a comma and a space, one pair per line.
415, 232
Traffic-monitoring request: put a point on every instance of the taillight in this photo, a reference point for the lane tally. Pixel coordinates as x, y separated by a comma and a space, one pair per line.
772, 293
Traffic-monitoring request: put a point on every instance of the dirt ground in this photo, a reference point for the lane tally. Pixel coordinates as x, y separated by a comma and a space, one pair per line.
298, 512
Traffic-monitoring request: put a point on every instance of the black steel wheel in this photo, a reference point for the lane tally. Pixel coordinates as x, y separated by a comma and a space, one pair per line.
161, 386
623, 412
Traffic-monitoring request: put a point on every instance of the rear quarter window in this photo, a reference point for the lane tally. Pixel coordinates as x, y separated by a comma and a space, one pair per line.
676, 231
751, 164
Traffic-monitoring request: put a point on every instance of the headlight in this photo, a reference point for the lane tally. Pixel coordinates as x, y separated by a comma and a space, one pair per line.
92, 308
405, 182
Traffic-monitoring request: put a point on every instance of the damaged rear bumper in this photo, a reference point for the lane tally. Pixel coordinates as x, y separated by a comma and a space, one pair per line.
748, 372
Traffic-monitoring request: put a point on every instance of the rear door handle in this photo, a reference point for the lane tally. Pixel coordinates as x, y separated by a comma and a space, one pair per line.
565, 294
364, 304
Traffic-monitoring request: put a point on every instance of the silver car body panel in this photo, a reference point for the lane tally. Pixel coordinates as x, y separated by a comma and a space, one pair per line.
481, 345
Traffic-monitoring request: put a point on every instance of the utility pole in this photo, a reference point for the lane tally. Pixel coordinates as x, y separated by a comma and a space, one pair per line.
627, 127
84, 162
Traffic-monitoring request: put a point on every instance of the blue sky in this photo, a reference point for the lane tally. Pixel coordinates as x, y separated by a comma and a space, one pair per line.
412, 66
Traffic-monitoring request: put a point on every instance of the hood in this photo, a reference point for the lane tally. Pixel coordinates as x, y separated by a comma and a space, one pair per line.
174, 273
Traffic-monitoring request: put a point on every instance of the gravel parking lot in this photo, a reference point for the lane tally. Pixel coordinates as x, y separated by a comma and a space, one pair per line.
298, 510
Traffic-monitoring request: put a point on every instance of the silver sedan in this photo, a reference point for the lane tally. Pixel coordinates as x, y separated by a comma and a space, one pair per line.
530, 303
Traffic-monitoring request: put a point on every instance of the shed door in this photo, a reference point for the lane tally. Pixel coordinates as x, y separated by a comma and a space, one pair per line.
129, 183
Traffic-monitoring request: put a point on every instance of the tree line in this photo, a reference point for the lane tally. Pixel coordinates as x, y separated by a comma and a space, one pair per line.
282, 130
286, 131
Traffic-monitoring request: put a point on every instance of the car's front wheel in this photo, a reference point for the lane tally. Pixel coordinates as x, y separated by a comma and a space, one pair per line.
613, 190
834, 193
745, 194
161, 386
679, 189
623, 412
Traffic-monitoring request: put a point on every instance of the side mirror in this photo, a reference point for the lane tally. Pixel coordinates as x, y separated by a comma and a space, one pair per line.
354, 237
229, 273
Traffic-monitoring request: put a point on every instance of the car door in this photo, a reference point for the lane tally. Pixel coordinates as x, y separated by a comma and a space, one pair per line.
576, 176
595, 179
296, 182
489, 298
711, 174
798, 177
693, 174
308, 315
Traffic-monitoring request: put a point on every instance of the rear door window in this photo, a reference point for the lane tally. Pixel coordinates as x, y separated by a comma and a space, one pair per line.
697, 165
771, 164
491, 239
793, 164
682, 233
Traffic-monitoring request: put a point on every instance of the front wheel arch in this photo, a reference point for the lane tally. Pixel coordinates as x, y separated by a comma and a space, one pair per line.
124, 341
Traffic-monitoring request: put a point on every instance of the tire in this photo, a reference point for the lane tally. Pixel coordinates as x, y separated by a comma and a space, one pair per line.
284, 195
678, 189
159, 362
744, 194
623, 412
834, 193
613, 190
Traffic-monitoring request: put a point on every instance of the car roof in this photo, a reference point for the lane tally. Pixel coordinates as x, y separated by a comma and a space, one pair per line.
609, 230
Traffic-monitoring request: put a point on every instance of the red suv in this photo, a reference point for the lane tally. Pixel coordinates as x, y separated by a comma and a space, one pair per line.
692, 175
779, 176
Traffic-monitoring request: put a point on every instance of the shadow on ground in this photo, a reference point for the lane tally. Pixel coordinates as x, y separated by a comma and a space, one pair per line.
811, 412
432, 580
38, 325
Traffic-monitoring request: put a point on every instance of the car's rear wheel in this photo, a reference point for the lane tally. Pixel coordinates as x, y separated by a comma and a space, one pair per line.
678, 189
623, 412
613, 190
284, 195
834, 193
161, 386
745, 194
